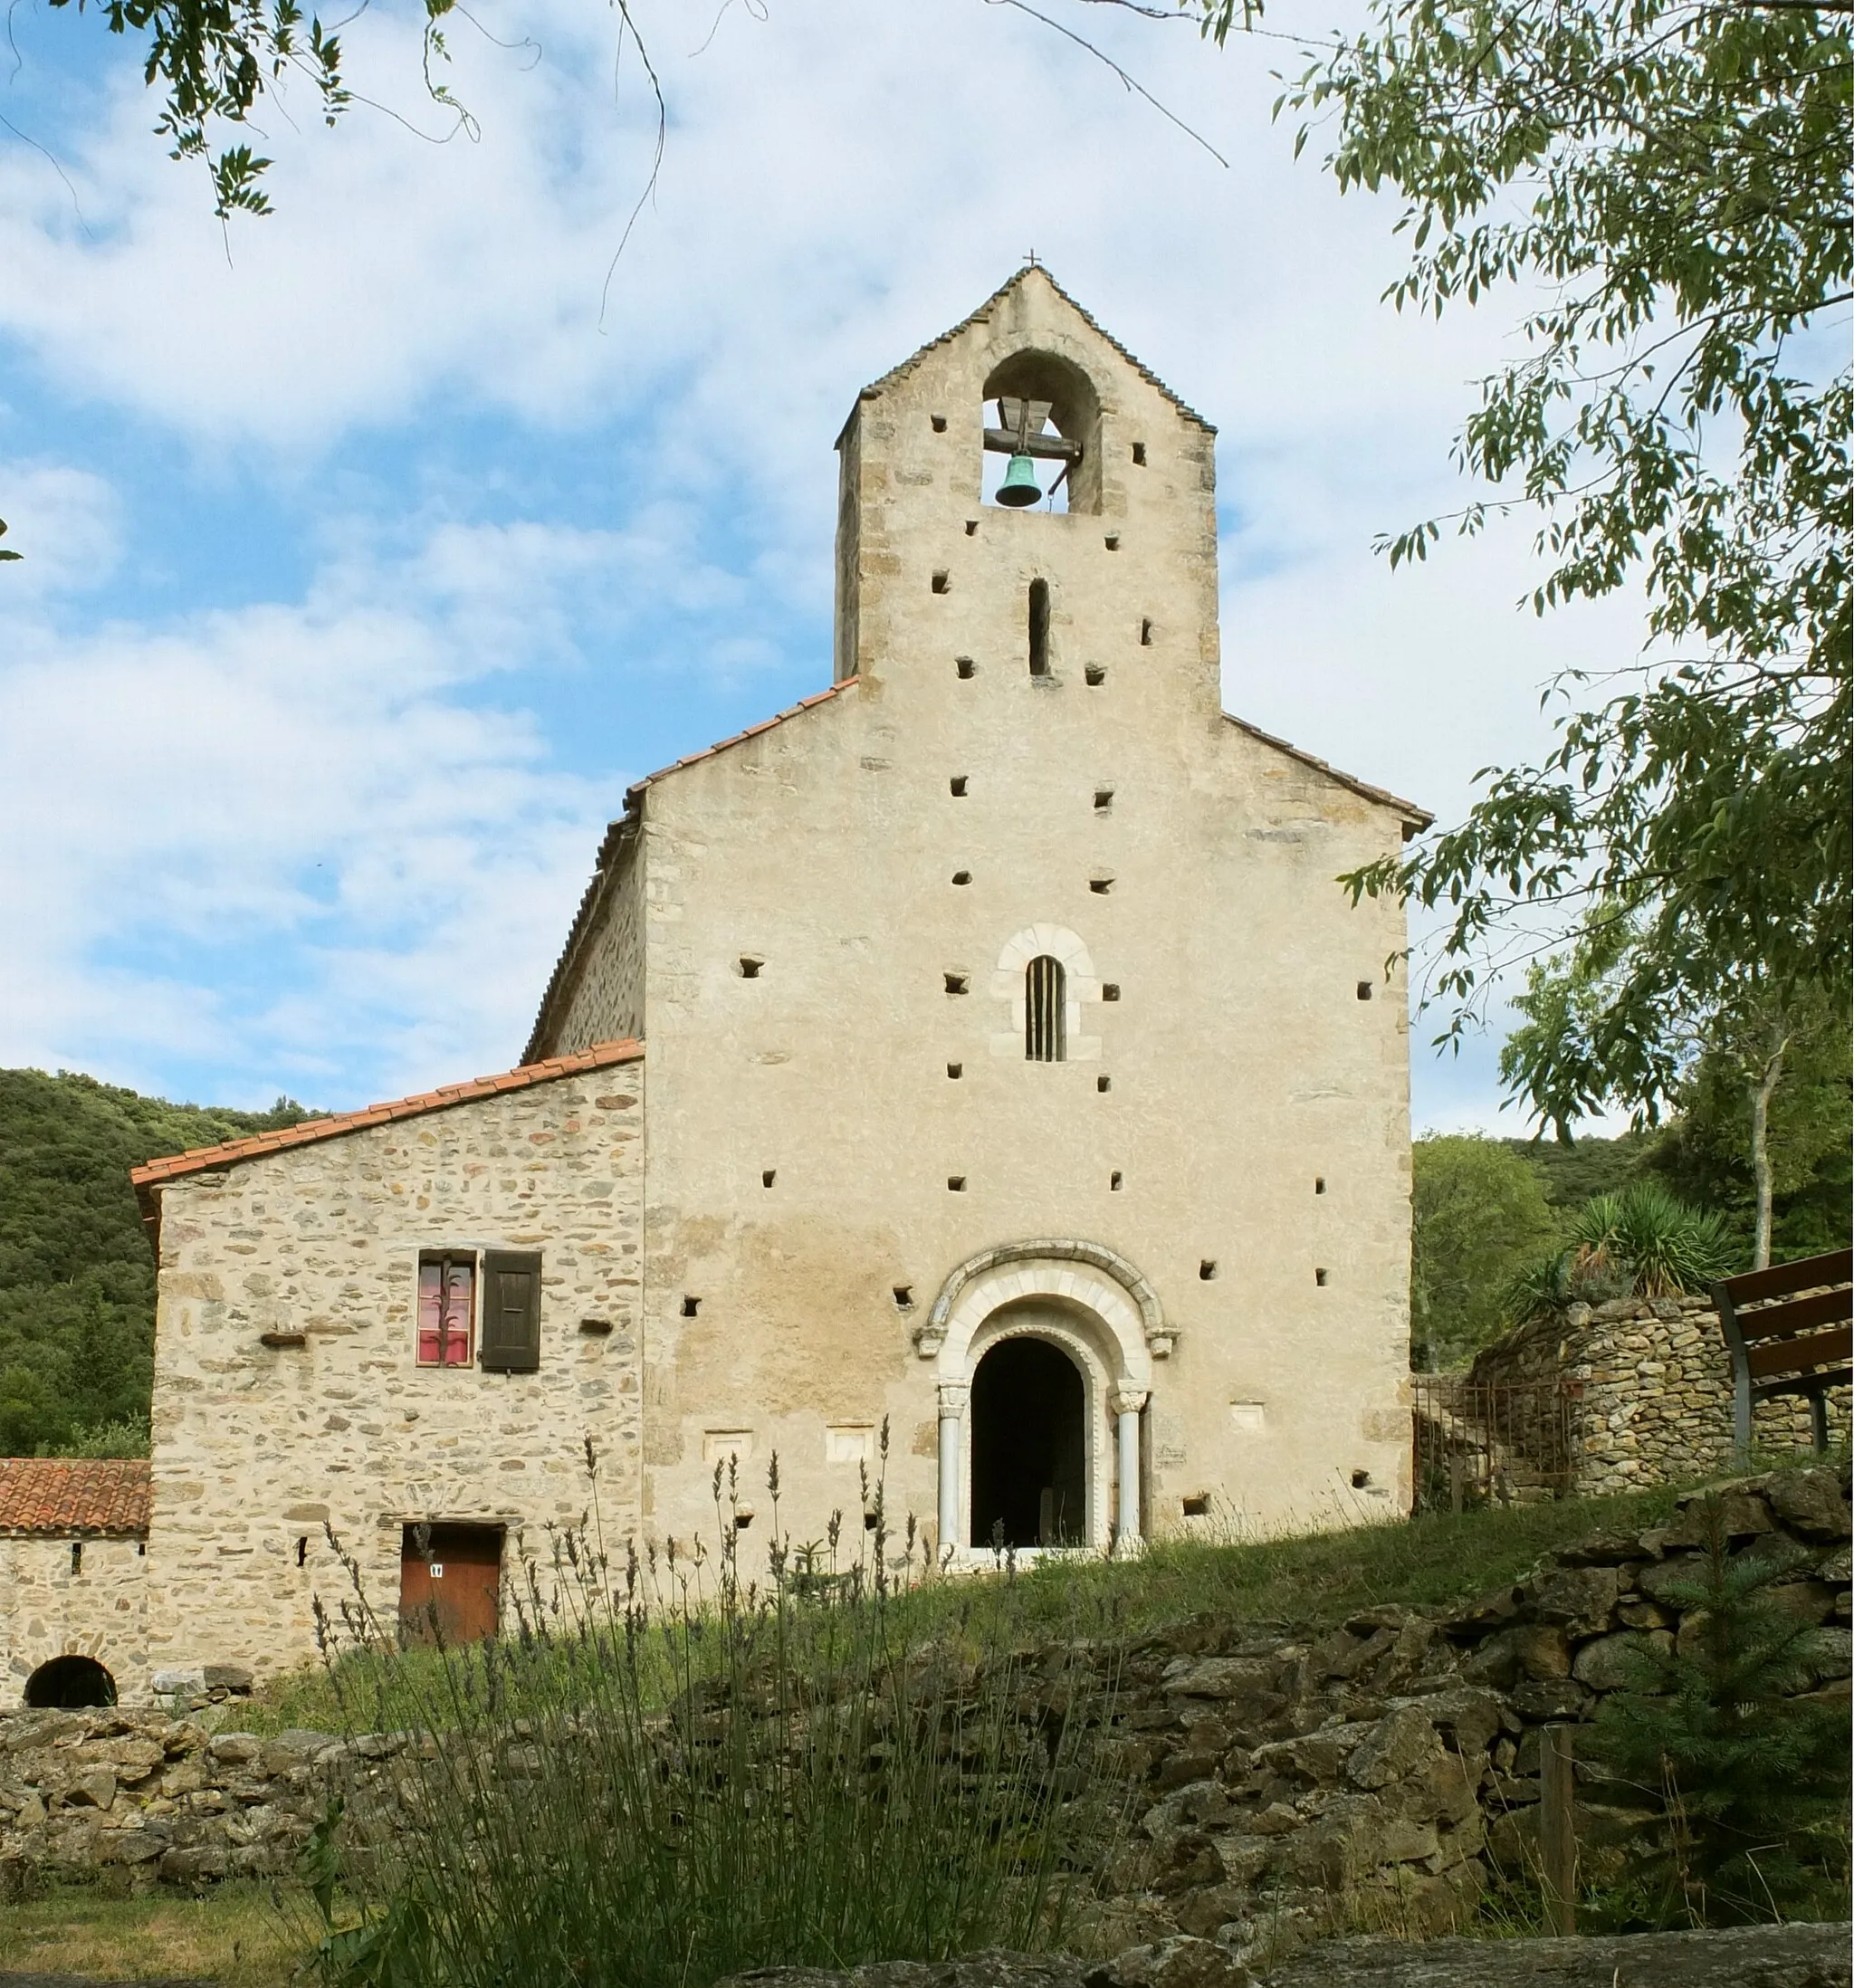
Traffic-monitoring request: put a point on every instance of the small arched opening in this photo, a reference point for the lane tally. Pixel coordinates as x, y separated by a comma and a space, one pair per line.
66, 1684
1046, 1010
1029, 1447
1043, 406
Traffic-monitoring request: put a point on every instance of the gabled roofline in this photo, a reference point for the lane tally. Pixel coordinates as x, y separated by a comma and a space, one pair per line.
1418, 817
982, 314
617, 833
155, 1174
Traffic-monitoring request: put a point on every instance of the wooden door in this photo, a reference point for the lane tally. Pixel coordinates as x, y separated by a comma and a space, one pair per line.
449, 1583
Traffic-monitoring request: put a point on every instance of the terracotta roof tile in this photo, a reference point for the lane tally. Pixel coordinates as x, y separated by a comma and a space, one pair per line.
63, 1495
203, 1158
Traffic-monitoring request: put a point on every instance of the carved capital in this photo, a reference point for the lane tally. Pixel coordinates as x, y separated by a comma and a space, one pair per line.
953, 1396
1160, 1341
929, 1339
1128, 1400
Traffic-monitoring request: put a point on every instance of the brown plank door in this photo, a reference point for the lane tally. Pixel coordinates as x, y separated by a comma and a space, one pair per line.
449, 1579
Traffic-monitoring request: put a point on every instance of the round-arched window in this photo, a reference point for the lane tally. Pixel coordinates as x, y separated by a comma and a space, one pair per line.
1046, 1010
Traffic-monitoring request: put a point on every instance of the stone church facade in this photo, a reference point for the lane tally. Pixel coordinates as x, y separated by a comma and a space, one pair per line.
981, 1049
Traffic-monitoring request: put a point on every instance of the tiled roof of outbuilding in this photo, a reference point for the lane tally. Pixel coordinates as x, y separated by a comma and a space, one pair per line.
1094, 324
204, 1159
66, 1495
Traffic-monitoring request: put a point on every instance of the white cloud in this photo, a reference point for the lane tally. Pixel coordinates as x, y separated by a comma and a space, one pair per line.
284, 842
841, 182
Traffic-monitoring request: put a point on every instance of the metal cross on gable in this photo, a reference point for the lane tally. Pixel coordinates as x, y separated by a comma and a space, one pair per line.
1031, 262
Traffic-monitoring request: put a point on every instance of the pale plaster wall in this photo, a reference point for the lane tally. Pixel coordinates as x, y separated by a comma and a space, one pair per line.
47, 1611
1243, 1064
256, 1447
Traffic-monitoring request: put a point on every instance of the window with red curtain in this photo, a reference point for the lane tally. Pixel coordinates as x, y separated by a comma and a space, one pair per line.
447, 1310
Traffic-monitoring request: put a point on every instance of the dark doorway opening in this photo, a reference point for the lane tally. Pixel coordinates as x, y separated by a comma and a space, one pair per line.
1030, 1448
68, 1683
450, 1577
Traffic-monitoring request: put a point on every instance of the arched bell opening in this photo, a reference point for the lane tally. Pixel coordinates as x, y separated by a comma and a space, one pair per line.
1042, 434
1030, 1449
68, 1684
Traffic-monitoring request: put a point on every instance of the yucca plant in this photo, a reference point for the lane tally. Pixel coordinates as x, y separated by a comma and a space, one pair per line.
1641, 1242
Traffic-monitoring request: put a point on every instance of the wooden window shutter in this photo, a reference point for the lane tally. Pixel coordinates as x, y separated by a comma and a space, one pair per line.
511, 1311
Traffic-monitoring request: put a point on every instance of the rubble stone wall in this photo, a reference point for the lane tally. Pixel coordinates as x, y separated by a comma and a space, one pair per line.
1651, 1380
50, 1608
1398, 1752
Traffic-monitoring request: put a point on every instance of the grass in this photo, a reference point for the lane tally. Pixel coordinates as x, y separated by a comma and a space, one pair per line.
1306, 1580
233, 1933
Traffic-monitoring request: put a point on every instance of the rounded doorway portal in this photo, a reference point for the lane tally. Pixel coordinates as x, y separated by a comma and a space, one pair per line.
1030, 1448
67, 1684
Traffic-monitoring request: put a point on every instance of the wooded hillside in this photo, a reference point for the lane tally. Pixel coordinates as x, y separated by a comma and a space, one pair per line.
77, 1279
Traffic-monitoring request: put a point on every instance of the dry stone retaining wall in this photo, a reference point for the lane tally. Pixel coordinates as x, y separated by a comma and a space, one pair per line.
1396, 1755
1650, 1382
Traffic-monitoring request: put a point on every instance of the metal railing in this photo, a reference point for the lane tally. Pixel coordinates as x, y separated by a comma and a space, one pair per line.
1508, 1442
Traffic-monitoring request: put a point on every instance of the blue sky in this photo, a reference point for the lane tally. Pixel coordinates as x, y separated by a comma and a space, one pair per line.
374, 548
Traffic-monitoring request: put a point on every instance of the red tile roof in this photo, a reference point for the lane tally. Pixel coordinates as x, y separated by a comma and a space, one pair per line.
203, 1158
63, 1496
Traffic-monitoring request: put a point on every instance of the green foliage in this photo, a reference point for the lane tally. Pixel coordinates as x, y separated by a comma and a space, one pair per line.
216, 61
1638, 1243
1572, 1171
1669, 177
77, 1278
1705, 1153
710, 1774
1478, 1212
1745, 1784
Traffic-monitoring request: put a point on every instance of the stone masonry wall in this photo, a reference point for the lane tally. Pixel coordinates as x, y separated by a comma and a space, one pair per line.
1651, 1380
259, 1446
605, 1003
1397, 1753
49, 1610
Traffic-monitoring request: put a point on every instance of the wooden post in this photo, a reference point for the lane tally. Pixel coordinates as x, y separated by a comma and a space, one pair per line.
1457, 1471
1557, 1831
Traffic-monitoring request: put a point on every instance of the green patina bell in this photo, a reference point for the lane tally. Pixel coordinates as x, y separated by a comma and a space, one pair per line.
1019, 486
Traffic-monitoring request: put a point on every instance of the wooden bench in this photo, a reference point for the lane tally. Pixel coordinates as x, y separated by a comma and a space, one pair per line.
1789, 1332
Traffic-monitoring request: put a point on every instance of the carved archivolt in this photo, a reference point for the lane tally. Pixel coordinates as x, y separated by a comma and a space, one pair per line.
1087, 1275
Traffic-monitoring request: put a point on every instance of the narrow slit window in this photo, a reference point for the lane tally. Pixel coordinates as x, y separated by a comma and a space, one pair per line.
1319, 1183
1046, 1003
1320, 1277
447, 1310
1114, 1181
302, 1550
77, 1557
1039, 627
1140, 453
1146, 634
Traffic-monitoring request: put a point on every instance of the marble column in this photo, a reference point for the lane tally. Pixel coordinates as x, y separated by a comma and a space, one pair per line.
1126, 1404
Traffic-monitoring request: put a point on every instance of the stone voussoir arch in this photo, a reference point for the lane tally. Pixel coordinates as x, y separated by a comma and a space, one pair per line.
1117, 1291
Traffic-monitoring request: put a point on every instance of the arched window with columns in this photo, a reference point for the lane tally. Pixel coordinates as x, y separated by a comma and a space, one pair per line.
1046, 1010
